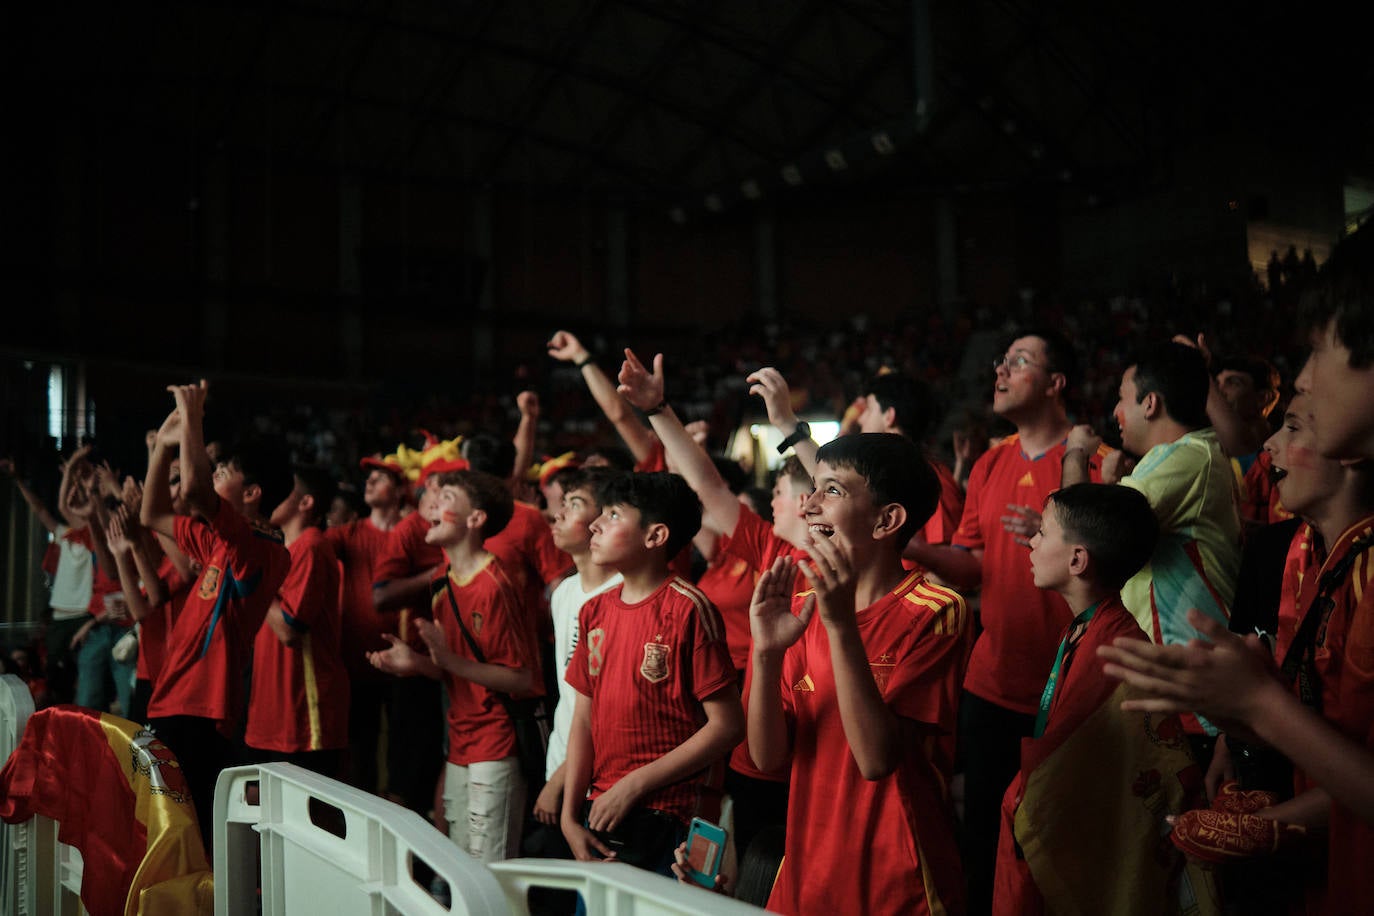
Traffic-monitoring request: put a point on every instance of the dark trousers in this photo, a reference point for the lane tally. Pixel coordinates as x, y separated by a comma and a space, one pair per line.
415, 738
990, 745
202, 752
759, 804
645, 839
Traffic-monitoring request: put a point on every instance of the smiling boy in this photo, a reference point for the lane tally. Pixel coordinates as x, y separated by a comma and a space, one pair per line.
861, 698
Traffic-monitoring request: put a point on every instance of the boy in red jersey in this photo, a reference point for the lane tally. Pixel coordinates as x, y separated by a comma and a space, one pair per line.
298, 707
1095, 785
197, 702
760, 799
657, 707
858, 698
480, 651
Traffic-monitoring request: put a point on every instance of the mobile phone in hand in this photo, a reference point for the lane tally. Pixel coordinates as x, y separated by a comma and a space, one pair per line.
705, 850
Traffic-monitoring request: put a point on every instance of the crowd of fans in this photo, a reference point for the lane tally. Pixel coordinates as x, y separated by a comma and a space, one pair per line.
884, 674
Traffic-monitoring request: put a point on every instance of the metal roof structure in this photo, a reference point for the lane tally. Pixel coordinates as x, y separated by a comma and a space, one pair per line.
695, 105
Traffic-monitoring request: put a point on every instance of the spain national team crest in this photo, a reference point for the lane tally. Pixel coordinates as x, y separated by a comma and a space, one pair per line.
596, 640
209, 583
476, 623
655, 664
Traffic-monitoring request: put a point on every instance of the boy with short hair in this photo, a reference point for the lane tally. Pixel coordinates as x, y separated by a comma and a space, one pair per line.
580, 507
479, 649
657, 707
1094, 786
298, 706
861, 698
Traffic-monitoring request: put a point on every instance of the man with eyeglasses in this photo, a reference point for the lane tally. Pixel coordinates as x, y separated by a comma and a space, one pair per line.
1020, 623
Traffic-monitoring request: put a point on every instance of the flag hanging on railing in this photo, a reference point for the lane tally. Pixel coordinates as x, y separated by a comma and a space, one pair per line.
118, 796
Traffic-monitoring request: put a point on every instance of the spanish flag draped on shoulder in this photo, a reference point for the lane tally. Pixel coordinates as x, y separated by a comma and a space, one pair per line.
119, 797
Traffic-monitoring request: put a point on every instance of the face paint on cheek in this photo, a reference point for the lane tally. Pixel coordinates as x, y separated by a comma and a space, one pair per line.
1300, 456
448, 515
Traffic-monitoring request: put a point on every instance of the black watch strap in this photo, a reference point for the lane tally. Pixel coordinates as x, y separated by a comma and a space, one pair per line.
803, 431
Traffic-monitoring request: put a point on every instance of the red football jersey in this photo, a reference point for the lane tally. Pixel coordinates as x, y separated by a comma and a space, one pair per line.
647, 667
479, 728
299, 699
1021, 623
359, 546
152, 630
209, 645
942, 525
728, 584
886, 845
754, 542
406, 554
531, 561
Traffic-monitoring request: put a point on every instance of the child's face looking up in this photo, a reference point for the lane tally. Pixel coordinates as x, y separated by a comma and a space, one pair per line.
1050, 554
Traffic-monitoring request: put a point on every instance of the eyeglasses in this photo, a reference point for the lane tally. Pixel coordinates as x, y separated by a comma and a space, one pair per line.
1014, 363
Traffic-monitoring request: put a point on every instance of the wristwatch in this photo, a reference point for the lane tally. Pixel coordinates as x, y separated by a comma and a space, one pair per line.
803, 431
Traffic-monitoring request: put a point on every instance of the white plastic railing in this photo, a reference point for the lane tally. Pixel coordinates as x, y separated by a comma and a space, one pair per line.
41, 875
613, 889
309, 868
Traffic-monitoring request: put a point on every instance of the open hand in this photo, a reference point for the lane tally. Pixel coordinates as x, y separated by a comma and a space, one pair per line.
769, 384
1022, 522
639, 386
398, 658
771, 622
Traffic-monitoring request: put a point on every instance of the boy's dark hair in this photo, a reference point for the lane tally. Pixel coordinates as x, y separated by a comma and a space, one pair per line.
734, 476
1261, 371
486, 492
353, 499
264, 461
1115, 523
616, 456
590, 480
488, 454
1059, 351
661, 498
1178, 374
1344, 294
908, 398
562, 476
895, 470
801, 478
317, 482
761, 501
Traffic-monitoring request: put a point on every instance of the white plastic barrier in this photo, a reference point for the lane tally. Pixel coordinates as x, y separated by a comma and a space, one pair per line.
613, 889
307, 867
41, 875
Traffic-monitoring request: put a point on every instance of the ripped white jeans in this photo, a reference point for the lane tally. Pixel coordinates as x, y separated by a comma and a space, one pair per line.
484, 804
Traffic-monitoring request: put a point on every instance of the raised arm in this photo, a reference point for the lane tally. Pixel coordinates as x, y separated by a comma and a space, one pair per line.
70, 497
567, 348
1235, 437
1081, 444
528, 402
156, 513
123, 543
644, 390
39, 510
769, 384
197, 476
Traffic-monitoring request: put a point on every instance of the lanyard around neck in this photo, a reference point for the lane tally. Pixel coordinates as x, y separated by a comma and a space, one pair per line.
1042, 718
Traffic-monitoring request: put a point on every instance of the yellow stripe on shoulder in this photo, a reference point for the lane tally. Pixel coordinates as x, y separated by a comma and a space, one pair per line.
711, 623
948, 606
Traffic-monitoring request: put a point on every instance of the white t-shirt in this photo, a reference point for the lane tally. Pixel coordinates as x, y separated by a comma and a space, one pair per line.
71, 586
565, 603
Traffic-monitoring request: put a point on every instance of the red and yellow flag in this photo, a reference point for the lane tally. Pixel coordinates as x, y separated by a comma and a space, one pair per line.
120, 798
